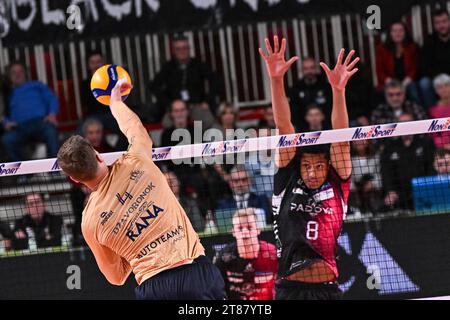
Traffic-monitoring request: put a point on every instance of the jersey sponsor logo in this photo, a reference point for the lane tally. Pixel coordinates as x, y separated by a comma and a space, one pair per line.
105, 215
176, 233
142, 222
384, 130
124, 197
136, 175
313, 209
136, 205
9, 168
439, 126
300, 139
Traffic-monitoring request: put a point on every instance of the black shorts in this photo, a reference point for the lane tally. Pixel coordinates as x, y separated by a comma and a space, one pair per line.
294, 290
200, 280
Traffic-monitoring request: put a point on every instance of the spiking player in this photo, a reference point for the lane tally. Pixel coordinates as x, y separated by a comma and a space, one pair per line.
134, 222
311, 188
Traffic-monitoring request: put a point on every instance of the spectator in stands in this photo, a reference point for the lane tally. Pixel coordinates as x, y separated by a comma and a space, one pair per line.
311, 89
38, 227
402, 159
314, 119
261, 166
91, 106
184, 78
442, 109
366, 179
190, 205
268, 122
180, 117
397, 58
7, 235
94, 109
435, 55
249, 266
227, 116
93, 132
240, 182
441, 162
396, 104
31, 114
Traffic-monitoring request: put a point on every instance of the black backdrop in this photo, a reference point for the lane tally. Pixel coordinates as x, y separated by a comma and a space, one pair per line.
45, 20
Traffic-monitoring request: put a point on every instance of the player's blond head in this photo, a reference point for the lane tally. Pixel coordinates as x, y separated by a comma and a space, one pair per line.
77, 158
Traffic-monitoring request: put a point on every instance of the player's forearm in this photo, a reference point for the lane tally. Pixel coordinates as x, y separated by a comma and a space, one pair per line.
339, 115
124, 116
280, 105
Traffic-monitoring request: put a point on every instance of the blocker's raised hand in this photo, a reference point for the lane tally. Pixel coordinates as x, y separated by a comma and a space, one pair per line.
342, 72
275, 60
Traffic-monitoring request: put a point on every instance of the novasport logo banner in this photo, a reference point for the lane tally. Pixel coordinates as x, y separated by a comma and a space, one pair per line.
210, 149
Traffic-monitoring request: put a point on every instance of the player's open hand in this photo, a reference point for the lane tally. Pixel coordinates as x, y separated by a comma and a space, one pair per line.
342, 72
276, 63
121, 86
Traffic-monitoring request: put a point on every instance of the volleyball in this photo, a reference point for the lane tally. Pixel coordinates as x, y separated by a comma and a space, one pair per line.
104, 80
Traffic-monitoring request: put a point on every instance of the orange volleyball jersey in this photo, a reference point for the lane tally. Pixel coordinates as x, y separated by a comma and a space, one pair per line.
133, 221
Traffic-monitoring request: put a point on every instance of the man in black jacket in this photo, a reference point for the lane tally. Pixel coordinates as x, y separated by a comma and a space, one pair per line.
311, 89
36, 226
402, 159
435, 55
184, 78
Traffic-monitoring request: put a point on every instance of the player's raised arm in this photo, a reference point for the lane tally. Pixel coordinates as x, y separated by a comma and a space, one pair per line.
277, 66
338, 78
129, 122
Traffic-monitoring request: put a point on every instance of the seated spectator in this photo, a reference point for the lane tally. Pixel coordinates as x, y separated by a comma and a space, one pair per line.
261, 168
366, 179
402, 159
365, 161
240, 182
189, 204
435, 55
93, 132
311, 89
441, 109
31, 114
38, 227
94, 109
441, 162
397, 58
249, 266
315, 119
227, 116
396, 105
180, 116
184, 78
6, 233
268, 122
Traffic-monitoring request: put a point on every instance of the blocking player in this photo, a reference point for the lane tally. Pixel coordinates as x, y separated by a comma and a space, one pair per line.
311, 188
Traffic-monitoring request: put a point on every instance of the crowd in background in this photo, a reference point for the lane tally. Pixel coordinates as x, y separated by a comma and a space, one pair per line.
413, 84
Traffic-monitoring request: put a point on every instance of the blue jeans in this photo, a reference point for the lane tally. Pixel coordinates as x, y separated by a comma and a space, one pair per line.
14, 139
428, 96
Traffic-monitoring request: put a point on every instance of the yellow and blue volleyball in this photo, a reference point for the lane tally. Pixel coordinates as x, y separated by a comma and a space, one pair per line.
104, 80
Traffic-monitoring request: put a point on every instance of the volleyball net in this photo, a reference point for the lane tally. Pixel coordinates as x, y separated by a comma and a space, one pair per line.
256, 220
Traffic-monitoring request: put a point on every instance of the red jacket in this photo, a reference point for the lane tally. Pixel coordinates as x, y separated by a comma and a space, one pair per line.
385, 62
